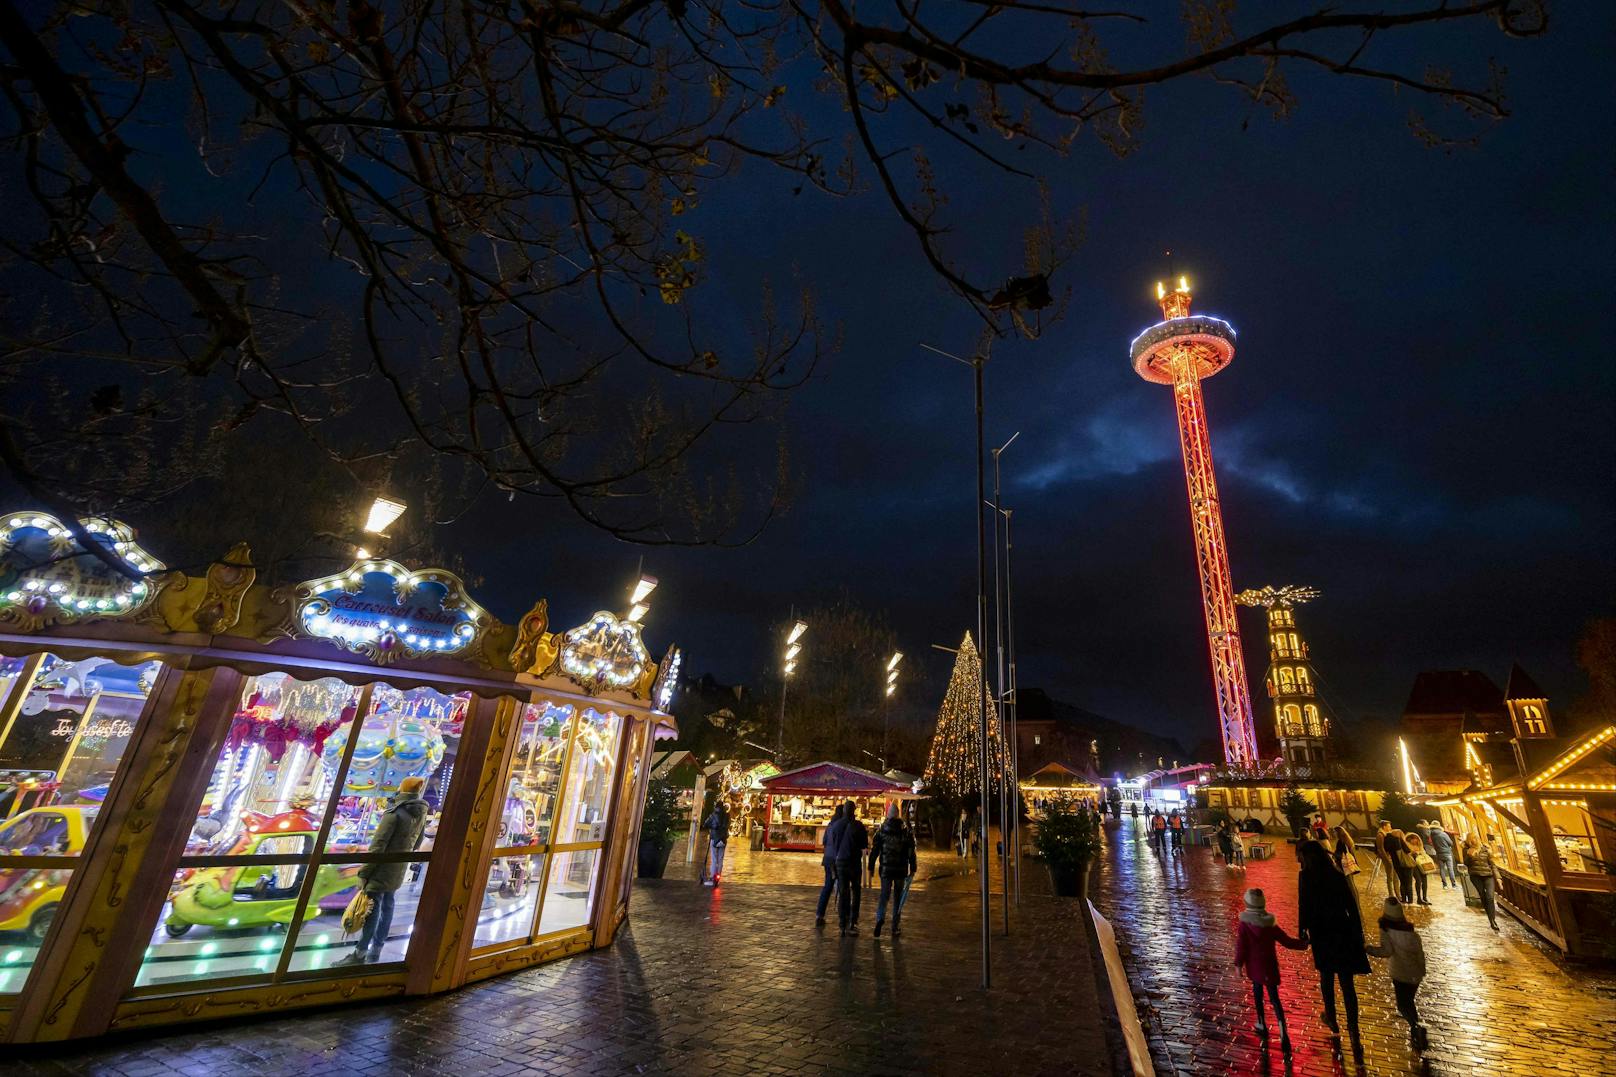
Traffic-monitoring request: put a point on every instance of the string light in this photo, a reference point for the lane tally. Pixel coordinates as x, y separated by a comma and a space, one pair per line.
605, 651
1565, 761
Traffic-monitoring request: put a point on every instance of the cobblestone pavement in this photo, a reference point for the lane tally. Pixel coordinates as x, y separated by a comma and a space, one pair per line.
732, 981
1494, 1003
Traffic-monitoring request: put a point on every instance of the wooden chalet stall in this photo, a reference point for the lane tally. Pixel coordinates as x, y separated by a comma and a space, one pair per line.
192, 768
1547, 806
1057, 783
799, 803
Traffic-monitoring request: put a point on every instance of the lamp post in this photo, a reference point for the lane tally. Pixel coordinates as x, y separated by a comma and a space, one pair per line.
793, 649
886, 696
976, 363
1006, 797
1011, 704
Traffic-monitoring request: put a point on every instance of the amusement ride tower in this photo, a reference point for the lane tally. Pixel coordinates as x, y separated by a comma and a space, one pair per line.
1179, 351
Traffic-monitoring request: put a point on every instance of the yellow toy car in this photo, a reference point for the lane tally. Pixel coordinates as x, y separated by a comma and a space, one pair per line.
29, 896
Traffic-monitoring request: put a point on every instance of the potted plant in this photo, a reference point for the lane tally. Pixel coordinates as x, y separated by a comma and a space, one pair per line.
1067, 841
657, 828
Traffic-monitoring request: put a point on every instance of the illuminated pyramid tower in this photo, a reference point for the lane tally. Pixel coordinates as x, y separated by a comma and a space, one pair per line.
1300, 721
1179, 351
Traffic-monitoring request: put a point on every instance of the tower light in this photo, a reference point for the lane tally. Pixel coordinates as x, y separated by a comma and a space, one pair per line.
796, 631
643, 589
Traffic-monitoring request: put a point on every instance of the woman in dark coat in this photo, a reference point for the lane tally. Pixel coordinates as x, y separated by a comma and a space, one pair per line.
1327, 917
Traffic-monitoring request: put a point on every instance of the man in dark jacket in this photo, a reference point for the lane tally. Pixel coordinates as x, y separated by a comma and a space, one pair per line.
832, 836
399, 830
894, 851
717, 827
845, 842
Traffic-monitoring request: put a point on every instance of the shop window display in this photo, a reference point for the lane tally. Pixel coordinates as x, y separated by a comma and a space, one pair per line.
251, 870
59, 753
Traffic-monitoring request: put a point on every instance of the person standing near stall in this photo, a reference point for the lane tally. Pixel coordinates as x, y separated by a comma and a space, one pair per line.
399, 830
894, 851
1386, 860
1442, 853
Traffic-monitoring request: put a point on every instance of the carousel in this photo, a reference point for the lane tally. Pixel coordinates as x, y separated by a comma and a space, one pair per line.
198, 774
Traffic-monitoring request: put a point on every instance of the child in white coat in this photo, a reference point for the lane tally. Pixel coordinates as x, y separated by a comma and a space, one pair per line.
1400, 945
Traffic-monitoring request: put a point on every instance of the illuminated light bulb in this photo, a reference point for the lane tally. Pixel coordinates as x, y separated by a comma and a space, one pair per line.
796, 632
791, 667
361, 553
642, 589
793, 651
1183, 284
639, 611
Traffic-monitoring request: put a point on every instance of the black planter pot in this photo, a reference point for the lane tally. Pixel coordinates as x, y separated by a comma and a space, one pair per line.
654, 858
1068, 881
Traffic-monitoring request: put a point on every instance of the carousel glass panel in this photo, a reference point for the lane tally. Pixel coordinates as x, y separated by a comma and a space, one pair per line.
570, 892
321, 943
589, 778
58, 759
510, 894
267, 797
535, 779
408, 738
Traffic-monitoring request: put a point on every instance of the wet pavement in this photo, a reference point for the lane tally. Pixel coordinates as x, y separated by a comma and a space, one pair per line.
1502, 1003
732, 981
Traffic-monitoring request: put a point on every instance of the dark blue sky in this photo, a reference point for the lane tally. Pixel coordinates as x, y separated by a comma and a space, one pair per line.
1419, 420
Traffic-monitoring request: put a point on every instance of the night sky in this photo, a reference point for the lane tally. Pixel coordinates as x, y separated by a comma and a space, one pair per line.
1418, 420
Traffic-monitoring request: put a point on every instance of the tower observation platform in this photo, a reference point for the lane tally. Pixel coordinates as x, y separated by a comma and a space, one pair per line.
1180, 351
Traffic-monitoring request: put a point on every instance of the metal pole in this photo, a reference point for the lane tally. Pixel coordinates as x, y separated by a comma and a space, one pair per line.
981, 634
998, 699
1015, 740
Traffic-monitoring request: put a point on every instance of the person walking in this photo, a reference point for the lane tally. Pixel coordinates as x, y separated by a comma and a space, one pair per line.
1175, 826
398, 830
962, 834
1158, 831
717, 827
1328, 921
1478, 861
1255, 936
827, 860
1400, 945
858, 844
1402, 865
1416, 851
893, 851
1442, 853
1386, 860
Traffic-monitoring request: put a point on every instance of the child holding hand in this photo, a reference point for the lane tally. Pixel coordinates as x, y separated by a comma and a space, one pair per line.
1256, 935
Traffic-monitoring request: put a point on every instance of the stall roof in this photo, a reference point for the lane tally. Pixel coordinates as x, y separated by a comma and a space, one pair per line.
830, 777
1060, 776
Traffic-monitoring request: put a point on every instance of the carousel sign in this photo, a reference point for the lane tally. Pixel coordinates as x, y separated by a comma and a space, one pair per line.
385, 611
604, 653
47, 577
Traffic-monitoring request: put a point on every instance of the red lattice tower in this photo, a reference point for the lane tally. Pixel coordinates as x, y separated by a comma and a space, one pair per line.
1179, 351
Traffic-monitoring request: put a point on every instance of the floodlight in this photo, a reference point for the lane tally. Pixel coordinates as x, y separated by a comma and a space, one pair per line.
796, 631
383, 511
639, 611
891, 688
791, 667
793, 651
646, 585
892, 663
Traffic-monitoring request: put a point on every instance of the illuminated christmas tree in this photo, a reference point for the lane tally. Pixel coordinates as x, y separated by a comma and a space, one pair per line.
954, 763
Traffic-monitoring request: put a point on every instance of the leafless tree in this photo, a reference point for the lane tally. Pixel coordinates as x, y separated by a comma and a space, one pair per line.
489, 218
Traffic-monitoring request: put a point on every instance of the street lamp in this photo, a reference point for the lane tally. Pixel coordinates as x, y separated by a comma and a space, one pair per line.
383, 511
636, 601
891, 686
976, 363
793, 649
1007, 797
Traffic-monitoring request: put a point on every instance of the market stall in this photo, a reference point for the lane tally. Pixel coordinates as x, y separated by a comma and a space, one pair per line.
196, 776
799, 804
1058, 784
